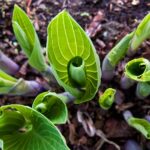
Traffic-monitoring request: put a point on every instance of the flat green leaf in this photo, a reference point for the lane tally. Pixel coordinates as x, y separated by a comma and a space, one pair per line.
52, 106
136, 69
28, 39
141, 125
66, 41
37, 133
142, 32
107, 98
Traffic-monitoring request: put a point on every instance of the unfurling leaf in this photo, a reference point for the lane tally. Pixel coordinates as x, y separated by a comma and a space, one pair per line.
137, 69
28, 39
27, 129
141, 125
142, 33
52, 106
120, 50
143, 90
73, 57
106, 100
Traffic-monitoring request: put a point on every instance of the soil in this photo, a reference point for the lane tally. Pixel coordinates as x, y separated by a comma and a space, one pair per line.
106, 22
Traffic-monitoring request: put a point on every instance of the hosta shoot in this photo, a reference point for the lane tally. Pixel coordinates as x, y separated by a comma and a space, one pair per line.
52, 106
73, 57
28, 39
127, 45
141, 125
107, 98
23, 128
137, 69
12, 86
142, 33
8, 65
114, 56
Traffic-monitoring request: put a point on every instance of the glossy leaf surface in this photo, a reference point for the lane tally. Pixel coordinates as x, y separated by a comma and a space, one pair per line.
66, 41
28, 39
38, 133
52, 106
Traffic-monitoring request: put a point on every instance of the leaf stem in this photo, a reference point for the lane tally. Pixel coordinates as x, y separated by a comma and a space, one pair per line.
69, 97
8, 65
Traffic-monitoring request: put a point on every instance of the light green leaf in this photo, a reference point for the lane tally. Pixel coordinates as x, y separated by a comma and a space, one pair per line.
142, 32
120, 50
67, 41
31, 130
28, 39
6, 82
146, 76
52, 106
136, 69
106, 100
141, 125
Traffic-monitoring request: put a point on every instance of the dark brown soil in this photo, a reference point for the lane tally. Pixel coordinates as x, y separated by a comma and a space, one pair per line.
107, 21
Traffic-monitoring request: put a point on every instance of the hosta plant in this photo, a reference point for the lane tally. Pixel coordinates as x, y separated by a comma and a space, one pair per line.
74, 64
142, 125
73, 57
128, 45
107, 98
138, 70
23, 128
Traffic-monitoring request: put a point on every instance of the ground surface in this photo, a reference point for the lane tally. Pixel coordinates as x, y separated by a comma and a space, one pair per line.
106, 21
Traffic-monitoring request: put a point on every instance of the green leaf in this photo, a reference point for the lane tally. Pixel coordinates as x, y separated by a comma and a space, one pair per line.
142, 32
141, 125
37, 133
52, 106
146, 76
136, 69
106, 100
6, 82
143, 90
120, 50
28, 39
66, 41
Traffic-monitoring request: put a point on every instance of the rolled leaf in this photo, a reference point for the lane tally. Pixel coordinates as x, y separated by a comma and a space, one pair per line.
120, 50
143, 90
27, 129
28, 39
141, 125
66, 44
114, 56
137, 69
107, 98
52, 106
142, 33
